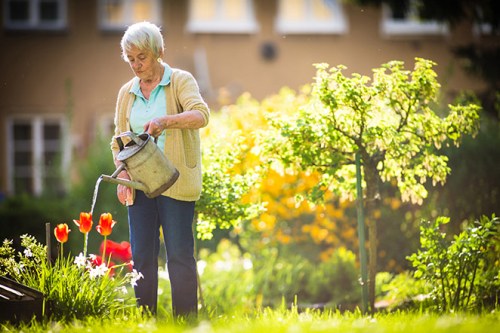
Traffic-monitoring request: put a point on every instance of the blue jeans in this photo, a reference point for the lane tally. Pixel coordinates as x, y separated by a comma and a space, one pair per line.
176, 218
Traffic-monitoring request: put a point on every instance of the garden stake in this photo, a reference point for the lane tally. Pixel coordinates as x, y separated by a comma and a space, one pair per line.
47, 241
361, 235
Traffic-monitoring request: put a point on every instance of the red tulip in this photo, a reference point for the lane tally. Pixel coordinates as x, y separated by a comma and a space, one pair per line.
119, 251
61, 232
106, 224
85, 222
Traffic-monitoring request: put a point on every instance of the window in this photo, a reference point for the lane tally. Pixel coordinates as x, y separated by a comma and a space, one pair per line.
221, 16
406, 22
35, 14
118, 14
310, 17
36, 155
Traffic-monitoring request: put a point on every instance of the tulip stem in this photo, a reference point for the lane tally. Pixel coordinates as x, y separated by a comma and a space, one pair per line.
104, 250
85, 239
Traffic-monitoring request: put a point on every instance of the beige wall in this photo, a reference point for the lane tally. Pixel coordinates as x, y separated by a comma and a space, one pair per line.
35, 68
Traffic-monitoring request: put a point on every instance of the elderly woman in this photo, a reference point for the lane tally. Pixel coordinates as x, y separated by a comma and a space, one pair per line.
166, 103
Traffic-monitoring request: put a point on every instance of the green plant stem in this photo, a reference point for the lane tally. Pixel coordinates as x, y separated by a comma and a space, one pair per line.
456, 300
472, 282
104, 250
85, 241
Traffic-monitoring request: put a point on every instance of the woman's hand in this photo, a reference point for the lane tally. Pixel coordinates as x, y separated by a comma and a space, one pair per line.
124, 193
155, 127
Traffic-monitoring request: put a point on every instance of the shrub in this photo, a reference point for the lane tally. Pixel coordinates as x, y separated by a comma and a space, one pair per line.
463, 272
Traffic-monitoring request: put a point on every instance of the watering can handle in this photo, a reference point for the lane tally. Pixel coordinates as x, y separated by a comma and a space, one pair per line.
119, 140
155, 138
130, 134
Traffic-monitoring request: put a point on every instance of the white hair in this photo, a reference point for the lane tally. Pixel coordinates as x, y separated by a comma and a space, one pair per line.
145, 36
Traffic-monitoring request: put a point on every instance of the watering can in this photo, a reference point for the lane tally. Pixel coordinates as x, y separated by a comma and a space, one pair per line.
149, 169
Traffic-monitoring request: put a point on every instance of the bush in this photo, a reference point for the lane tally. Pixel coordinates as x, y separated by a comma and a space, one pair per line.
463, 271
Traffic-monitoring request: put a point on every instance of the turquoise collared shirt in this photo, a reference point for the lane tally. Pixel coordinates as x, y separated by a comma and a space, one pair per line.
144, 110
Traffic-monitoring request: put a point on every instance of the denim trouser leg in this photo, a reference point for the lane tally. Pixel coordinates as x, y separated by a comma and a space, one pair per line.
179, 241
144, 227
176, 218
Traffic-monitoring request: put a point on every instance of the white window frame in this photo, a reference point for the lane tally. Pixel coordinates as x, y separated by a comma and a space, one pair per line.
128, 20
411, 26
34, 21
220, 24
37, 148
310, 25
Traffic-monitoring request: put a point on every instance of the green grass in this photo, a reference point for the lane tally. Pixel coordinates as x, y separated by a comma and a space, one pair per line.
285, 321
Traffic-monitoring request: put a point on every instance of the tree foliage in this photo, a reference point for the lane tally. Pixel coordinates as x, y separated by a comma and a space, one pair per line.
392, 120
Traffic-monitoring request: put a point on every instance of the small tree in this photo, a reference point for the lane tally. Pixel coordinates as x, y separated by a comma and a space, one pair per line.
389, 121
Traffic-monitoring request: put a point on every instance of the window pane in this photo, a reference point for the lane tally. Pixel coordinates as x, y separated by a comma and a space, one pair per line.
49, 10
19, 10
293, 10
234, 9
114, 11
22, 159
22, 132
51, 132
321, 11
142, 10
204, 10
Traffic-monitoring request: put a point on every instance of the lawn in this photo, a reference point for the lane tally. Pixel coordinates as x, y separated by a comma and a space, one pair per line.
290, 321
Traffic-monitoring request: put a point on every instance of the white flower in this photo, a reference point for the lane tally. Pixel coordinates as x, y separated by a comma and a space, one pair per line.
134, 277
98, 271
80, 261
28, 253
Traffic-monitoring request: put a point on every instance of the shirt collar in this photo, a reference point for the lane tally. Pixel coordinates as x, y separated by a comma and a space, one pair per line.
165, 80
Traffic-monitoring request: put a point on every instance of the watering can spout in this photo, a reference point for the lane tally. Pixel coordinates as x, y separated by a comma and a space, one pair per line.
120, 181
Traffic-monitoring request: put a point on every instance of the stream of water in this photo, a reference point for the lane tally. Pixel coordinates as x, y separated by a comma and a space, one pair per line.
94, 198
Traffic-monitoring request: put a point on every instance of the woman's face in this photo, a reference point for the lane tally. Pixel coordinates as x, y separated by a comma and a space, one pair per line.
143, 63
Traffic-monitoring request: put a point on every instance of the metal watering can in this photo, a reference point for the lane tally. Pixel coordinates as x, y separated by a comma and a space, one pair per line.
149, 169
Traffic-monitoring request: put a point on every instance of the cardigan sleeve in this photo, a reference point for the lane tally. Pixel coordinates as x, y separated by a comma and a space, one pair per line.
188, 95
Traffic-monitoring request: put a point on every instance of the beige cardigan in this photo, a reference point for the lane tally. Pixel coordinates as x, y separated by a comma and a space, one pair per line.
182, 146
